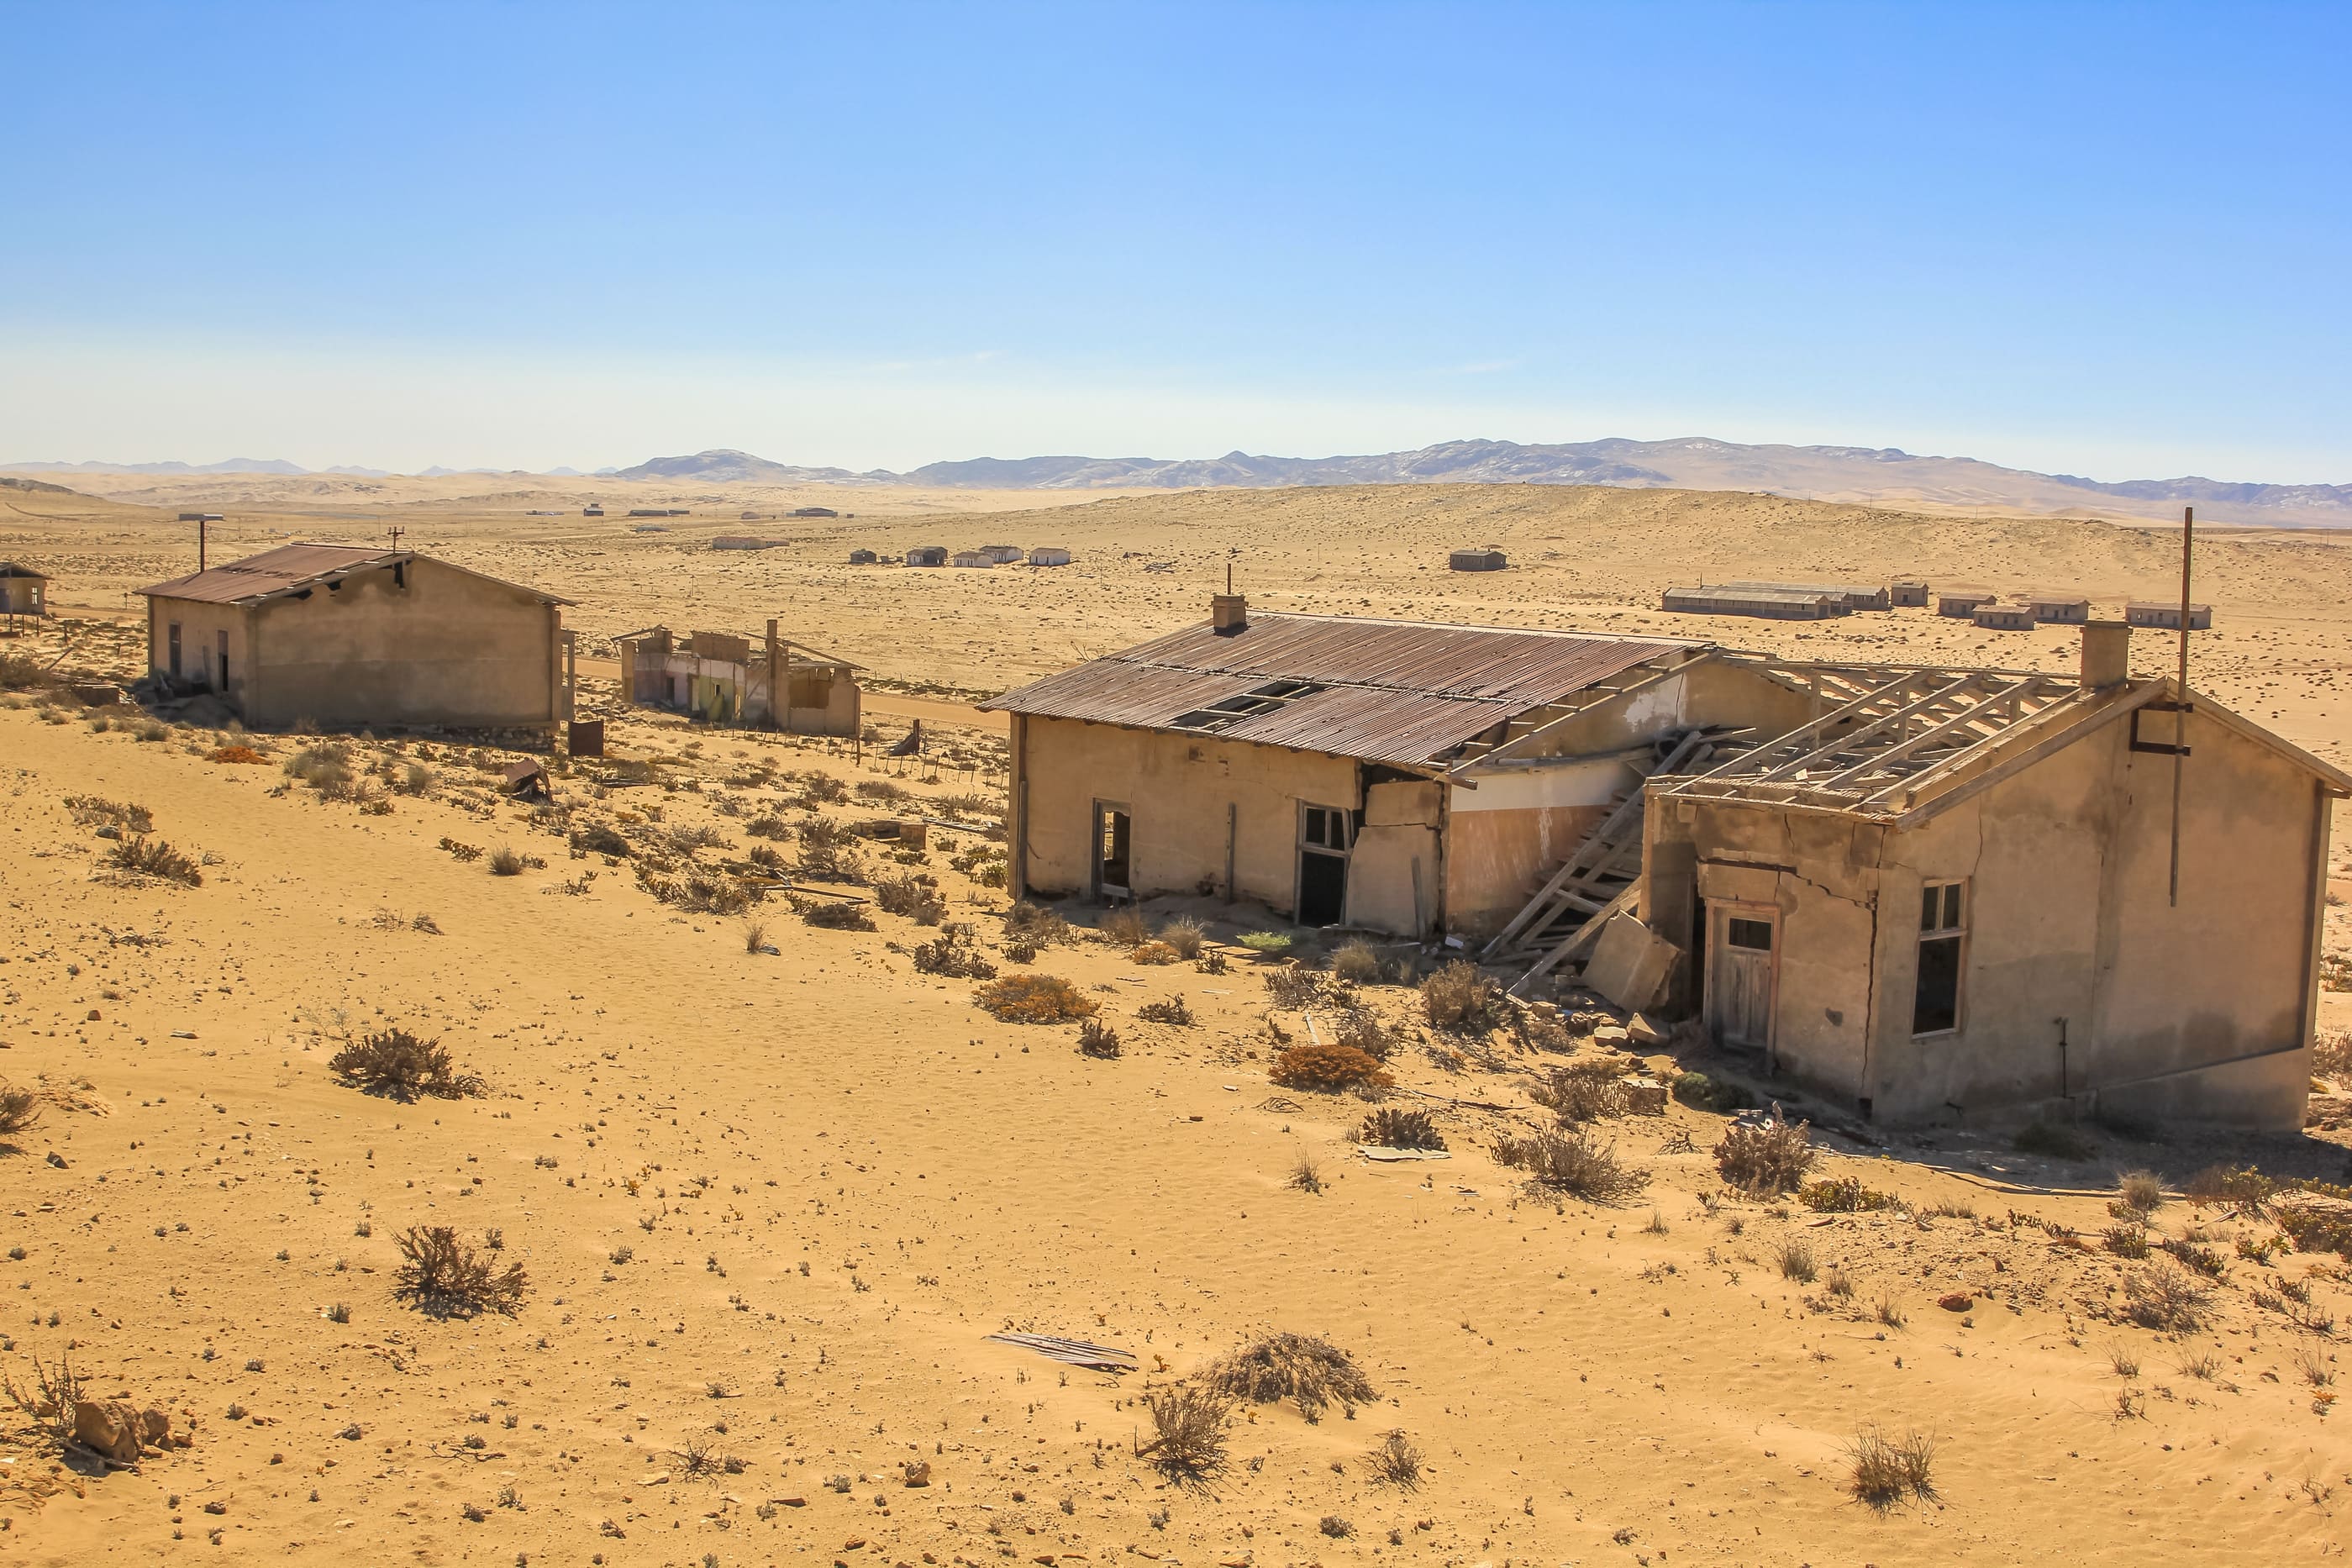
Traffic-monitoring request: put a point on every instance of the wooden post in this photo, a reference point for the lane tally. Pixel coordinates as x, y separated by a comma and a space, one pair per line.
2180, 712
779, 694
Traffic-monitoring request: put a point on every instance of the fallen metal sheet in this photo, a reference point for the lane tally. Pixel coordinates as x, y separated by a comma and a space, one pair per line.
1375, 1151
1076, 1352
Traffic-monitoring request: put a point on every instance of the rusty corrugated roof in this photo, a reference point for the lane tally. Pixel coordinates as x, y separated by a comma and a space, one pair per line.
290, 568
1391, 692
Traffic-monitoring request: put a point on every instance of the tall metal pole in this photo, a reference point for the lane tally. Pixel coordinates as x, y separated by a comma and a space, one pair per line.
2180, 708
200, 544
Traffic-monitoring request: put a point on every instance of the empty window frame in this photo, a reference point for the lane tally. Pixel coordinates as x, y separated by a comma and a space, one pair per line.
1249, 704
1323, 827
1943, 949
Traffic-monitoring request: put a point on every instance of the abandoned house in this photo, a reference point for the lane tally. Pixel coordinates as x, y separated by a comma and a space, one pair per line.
1962, 604
927, 555
974, 558
1854, 595
1487, 560
1049, 555
352, 635
1906, 592
2059, 609
1002, 554
1771, 603
1391, 775
723, 678
2166, 617
2005, 617
23, 591
1952, 890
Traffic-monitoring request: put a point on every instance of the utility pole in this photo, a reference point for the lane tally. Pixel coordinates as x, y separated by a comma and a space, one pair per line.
2181, 705
200, 543
396, 532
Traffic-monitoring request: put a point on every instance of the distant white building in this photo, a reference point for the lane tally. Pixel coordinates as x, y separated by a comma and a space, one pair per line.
1049, 555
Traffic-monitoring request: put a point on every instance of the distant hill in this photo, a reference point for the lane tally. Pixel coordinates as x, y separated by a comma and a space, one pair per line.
233, 466
723, 466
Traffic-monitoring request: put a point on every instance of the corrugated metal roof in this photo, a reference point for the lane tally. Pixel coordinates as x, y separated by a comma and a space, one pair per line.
292, 567
11, 569
1394, 692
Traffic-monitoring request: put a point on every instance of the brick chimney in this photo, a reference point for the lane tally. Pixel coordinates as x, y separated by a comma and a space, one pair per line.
1228, 611
2106, 654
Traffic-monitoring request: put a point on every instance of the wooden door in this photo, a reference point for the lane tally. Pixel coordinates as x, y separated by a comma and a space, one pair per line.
1746, 940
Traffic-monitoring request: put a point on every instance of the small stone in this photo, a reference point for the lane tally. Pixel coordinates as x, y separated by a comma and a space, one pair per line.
919, 1474
1958, 1301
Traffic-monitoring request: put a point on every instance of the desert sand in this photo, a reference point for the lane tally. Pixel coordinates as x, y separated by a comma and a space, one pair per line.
771, 1204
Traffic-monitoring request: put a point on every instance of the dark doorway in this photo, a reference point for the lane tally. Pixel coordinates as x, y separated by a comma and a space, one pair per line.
1322, 888
224, 661
174, 662
1114, 851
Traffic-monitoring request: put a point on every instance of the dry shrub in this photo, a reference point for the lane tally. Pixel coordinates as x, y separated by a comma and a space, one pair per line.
20, 1110
1885, 1471
828, 853
2052, 1141
2318, 1229
1039, 925
1357, 962
2331, 1054
1296, 986
1305, 1174
1844, 1194
506, 862
1019, 951
326, 768
96, 811
461, 852
2141, 1190
755, 937
1389, 1128
832, 915
394, 1062
235, 754
1583, 1092
1460, 997
1573, 1161
916, 898
2203, 1259
1396, 1461
1361, 1028
697, 892
2242, 1188
1153, 953
1123, 926
1796, 1260
2165, 1298
444, 1277
1171, 1011
1314, 1371
601, 838
22, 672
1099, 1041
957, 953
1328, 1067
156, 857
2125, 1240
1185, 934
1188, 1427
1769, 1157
49, 1399
769, 827
1697, 1089
1037, 999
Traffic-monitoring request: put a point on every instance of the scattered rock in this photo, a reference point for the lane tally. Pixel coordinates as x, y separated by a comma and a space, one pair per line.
56, 1160
1640, 1028
114, 1429
1614, 1036
1958, 1301
919, 1473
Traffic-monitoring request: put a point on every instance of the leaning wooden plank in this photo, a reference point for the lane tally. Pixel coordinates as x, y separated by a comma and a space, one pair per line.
1075, 1352
1584, 936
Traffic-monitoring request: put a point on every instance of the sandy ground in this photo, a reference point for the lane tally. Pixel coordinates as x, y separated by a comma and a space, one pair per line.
771, 1204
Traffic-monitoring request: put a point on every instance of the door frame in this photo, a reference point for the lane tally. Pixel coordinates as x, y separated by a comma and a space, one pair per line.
1301, 849
1721, 913
1097, 820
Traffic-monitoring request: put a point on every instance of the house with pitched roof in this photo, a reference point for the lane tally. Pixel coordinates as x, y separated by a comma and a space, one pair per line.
347, 636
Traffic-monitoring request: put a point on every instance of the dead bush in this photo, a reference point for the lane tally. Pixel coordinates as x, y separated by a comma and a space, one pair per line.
506, 862
1019, 951
1037, 999
830, 914
156, 857
1152, 953
697, 892
2242, 1188
2318, 1229
444, 1277
20, 1110
1188, 1428
2125, 1240
915, 898
1314, 1371
2331, 1054
1765, 1157
1844, 1194
1796, 1260
828, 853
1296, 986
96, 811
755, 937
2142, 1191
1184, 934
235, 754
957, 953
50, 1399
1357, 962
601, 838
1331, 1069
1122, 926
1885, 1472
1359, 1028
1389, 1128
326, 768
461, 852
395, 1063
1461, 999
1583, 1092
769, 827
1099, 1041
1305, 1174
22, 672
1573, 1161
1396, 1461
1039, 925
1171, 1011
2167, 1299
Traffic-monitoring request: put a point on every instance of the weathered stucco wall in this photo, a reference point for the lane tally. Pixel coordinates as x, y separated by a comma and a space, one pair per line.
2199, 1012
200, 627
448, 649
1177, 790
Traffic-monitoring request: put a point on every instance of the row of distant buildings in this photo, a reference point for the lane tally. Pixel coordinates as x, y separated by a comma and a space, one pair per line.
1822, 601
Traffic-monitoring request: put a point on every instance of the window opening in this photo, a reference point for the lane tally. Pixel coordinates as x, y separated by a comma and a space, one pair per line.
1942, 937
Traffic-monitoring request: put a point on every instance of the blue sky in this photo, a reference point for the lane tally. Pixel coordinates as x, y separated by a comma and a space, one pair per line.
2110, 241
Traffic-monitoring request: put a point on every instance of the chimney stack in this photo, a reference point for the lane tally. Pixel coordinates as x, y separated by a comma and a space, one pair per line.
2106, 654
1228, 611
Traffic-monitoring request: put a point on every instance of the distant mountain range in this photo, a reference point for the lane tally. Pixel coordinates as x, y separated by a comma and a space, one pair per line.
1883, 476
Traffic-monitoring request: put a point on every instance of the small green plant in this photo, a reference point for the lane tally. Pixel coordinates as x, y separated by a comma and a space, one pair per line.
1266, 943
1701, 1092
1843, 1194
